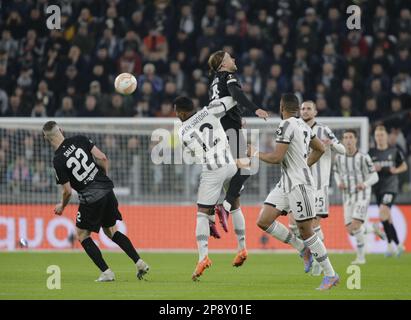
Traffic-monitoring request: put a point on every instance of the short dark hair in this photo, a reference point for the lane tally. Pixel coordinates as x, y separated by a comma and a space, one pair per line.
183, 104
49, 125
290, 102
353, 131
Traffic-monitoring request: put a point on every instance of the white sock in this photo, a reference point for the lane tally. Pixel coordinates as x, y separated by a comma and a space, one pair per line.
280, 232
211, 217
202, 234
227, 205
319, 233
294, 229
319, 253
368, 228
359, 236
239, 227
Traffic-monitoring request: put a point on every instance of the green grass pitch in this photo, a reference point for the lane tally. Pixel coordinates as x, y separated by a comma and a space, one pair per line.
264, 276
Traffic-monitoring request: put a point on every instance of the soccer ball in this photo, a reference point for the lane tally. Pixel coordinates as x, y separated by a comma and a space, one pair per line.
23, 243
125, 83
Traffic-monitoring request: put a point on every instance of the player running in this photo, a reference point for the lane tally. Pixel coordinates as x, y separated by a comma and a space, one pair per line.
320, 170
388, 162
80, 165
354, 175
226, 84
295, 190
202, 135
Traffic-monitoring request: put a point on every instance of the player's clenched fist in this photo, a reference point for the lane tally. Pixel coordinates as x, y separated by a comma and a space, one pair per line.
59, 209
261, 113
251, 150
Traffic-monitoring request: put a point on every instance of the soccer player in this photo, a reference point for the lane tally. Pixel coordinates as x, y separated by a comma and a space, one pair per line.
226, 84
295, 190
354, 175
388, 162
80, 165
202, 135
320, 171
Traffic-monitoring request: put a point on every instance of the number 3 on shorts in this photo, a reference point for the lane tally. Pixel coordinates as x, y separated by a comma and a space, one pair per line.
299, 206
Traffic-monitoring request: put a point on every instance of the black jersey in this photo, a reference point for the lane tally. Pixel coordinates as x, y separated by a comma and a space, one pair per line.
390, 157
219, 89
74, 163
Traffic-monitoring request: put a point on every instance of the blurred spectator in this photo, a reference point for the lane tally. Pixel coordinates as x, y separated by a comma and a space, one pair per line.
117, 107
19, 175
8, 44
16, 108
346, 109
46, 96
130, 62
149, 75
84, 40
67, 108
166, 110
155, 49
39, 110
90, 109
41, 180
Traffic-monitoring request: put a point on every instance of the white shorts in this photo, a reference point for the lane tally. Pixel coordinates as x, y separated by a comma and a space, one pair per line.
212, 183
321, 202
355, 209
300, 201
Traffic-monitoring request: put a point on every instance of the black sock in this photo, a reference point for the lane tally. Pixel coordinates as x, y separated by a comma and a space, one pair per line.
387, 229
234, 188
394, 236
125, 244
94, 253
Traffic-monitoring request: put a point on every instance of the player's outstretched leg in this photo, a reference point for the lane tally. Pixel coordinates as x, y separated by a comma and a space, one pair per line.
125, 244
202, 235
318, 250
95, 254
357, 230
267, 222
239, 230
317, 270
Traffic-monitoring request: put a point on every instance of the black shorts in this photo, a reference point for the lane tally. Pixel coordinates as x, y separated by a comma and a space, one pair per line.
386, 198
102, 213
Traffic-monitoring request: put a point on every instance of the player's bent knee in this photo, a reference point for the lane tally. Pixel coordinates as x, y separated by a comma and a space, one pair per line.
109, 232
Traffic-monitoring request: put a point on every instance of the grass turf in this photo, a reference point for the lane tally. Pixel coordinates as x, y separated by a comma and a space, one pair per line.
263, 276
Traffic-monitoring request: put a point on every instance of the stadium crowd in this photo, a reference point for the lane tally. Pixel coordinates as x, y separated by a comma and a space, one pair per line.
303, 46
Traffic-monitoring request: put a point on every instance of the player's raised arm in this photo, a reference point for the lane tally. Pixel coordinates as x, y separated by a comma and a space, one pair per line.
317, 151
101, 159
335, 144
219, 107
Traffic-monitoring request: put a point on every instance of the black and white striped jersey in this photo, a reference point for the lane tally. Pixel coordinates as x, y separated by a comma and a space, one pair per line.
294, 168
352, 170
321, 170
203, 135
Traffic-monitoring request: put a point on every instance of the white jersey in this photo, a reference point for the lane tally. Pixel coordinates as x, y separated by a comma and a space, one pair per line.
294, 168
321, 170
204, 136
352, 170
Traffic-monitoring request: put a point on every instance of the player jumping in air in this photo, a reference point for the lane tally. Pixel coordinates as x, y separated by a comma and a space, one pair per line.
388, 162
295, 191
80, 165
354, 175
203, 136
320, 170
226, 84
